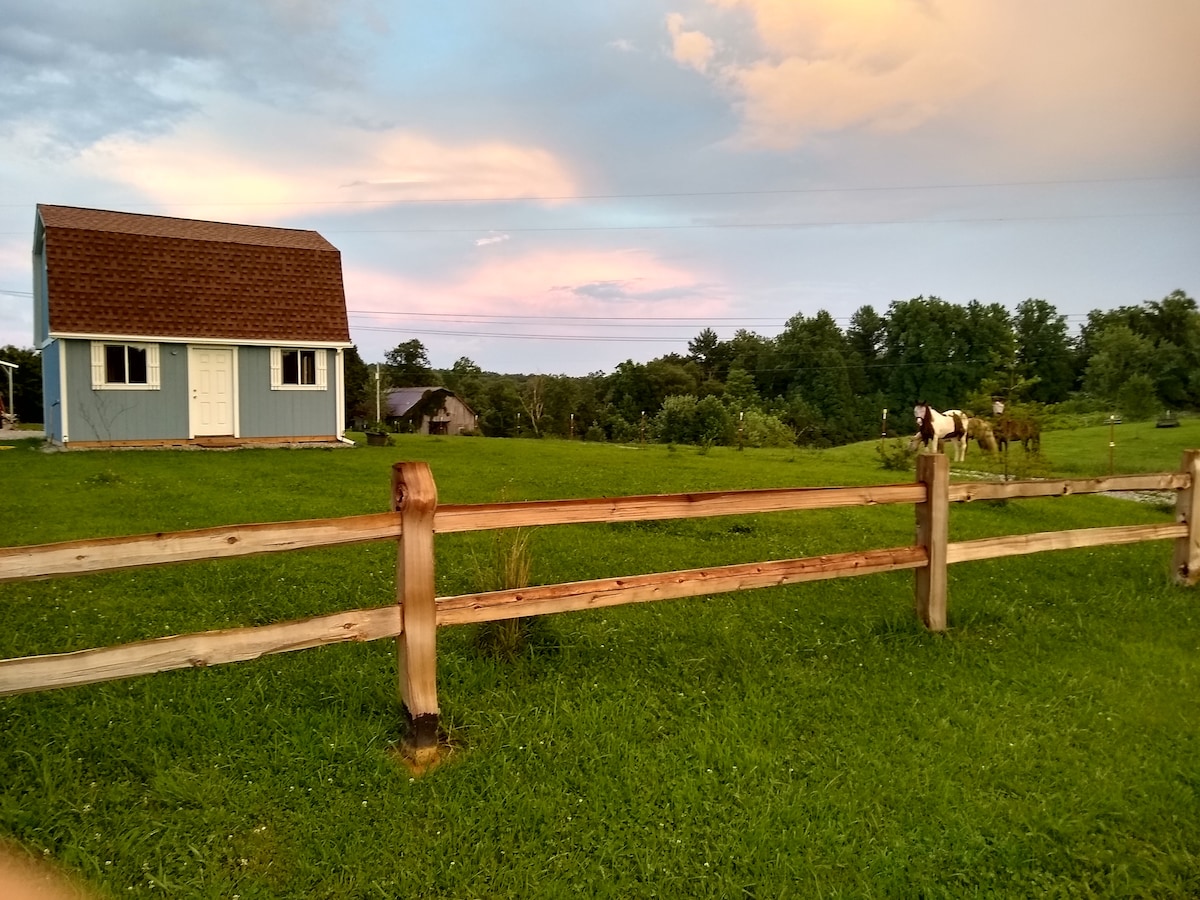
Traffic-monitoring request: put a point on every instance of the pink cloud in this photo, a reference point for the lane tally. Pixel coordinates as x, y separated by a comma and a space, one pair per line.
286, 164
1056, 83
689, 48
583, 283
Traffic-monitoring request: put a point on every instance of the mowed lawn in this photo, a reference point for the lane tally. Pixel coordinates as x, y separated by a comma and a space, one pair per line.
808, 741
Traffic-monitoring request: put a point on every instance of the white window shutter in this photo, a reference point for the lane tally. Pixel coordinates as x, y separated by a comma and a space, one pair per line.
97, 364
152, 377
276, 368
322, 364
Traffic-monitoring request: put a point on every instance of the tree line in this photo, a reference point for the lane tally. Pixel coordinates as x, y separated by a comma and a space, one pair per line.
815, 383
818, 384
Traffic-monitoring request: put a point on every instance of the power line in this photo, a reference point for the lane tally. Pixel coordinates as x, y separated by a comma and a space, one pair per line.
531, 337
652, 195
766, 226
496, 319
615, 321
591, 321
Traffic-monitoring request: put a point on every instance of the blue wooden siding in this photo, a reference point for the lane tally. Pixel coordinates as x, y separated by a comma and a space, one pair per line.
284, 413
52, 392
126, 415
163, 414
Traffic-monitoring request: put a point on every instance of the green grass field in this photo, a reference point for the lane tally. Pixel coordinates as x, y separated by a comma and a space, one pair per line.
809, 741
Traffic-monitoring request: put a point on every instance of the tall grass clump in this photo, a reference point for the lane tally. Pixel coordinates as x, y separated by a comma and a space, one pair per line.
507, 563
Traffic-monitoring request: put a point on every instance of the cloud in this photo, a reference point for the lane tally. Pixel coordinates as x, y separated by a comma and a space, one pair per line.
491, 239
536, 288
689, 48
1082, 78
16, 301
285, 164
825, 66
89, 70
637, 290
577, 282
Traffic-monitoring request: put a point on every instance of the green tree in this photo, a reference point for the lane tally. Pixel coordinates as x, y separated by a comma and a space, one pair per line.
867, 339
815, 353
988, 342
26, 382
709, 352
675, 420
740, 392
501, 406
756, 355
629, 391
1043, 351
1169, 328
1136, 398
408, 365
1173, 323
926, 355
358, 394
1120, 355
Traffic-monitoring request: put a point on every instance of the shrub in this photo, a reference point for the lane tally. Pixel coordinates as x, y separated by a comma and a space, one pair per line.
896, 455
762, 430
1137, 398
675, 422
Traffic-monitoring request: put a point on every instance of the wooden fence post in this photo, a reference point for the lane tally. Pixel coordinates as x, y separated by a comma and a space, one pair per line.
414, 496
1187, 509
933, 533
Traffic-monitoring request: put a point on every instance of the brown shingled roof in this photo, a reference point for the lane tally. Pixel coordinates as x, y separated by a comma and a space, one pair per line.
115, 273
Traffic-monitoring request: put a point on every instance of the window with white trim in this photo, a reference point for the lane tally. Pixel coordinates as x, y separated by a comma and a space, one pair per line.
298, 369
124, 367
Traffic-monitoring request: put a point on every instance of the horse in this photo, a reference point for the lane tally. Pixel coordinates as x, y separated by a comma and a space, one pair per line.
982, 432
951, 426
1026, 432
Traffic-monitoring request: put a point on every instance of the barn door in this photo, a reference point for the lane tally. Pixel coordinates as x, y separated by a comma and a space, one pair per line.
210, 379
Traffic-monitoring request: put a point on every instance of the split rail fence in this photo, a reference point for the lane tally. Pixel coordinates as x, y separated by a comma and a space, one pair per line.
416, 614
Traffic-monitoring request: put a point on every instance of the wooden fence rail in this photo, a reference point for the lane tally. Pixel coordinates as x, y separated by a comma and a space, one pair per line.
417, 613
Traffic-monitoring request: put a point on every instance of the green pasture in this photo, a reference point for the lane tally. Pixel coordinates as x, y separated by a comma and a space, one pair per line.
808, 741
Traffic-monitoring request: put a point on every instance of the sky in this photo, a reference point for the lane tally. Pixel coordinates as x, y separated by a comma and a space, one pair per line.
554, 188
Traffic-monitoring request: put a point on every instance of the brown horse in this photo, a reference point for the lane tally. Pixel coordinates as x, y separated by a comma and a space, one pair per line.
982, 432
1026, 432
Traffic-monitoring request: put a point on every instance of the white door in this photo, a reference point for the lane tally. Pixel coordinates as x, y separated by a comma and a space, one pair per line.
210, 373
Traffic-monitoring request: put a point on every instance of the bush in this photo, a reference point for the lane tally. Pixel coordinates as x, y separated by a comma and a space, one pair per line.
675, 422
712, 422
896, 455
762, 430
1138, 399
685, 420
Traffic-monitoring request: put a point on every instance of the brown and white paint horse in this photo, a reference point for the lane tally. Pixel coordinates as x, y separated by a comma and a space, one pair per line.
952, 426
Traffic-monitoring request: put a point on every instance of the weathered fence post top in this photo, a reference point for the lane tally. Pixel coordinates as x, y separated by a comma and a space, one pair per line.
413, 487
933, 533
414, 496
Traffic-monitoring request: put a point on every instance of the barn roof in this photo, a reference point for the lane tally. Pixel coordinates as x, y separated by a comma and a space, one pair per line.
400, 401
125, 274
